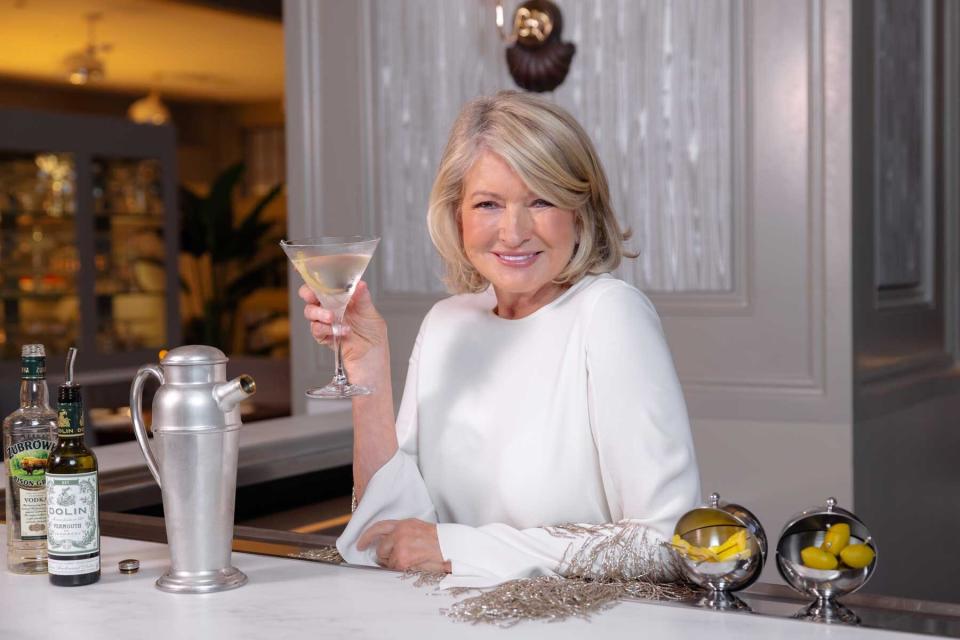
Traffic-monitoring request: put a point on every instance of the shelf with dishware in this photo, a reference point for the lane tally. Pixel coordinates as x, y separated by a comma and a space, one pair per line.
89, 240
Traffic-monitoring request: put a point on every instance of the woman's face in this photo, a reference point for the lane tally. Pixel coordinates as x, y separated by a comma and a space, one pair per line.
517, 240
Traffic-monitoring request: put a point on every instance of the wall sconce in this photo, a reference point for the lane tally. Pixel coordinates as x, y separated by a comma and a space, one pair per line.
537, 58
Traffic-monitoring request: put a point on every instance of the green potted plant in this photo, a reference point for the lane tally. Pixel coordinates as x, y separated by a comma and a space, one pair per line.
225, 259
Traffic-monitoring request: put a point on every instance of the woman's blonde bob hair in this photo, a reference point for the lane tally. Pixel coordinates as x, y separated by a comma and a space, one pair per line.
553, 155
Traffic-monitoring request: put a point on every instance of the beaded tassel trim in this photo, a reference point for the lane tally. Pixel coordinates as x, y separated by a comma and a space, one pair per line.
613, 562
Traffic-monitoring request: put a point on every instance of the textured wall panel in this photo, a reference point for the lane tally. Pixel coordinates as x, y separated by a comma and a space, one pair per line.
653, 84
903, 203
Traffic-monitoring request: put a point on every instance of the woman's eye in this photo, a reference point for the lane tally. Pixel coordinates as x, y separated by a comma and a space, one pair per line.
541, 203
486, 204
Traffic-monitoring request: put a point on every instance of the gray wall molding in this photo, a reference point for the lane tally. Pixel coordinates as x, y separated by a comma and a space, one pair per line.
905, 350
905, 202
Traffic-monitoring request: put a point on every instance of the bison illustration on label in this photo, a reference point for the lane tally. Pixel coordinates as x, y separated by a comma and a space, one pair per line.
29, 465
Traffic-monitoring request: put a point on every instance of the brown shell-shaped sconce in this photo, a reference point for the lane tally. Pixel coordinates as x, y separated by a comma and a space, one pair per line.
539, 60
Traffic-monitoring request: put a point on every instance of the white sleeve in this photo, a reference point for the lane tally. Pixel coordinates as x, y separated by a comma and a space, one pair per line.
396, 491
642, 435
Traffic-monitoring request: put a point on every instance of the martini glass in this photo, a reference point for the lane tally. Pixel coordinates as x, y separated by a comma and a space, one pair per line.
332, 267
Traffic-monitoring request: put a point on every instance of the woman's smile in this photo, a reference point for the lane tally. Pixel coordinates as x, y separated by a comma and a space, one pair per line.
517, 260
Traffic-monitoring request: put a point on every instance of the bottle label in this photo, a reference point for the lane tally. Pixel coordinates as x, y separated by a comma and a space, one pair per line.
73, 522
27, 465
73, 567
33, 514
70, 420
33, 368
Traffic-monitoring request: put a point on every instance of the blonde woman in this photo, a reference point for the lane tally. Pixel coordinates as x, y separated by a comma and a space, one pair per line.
541, 393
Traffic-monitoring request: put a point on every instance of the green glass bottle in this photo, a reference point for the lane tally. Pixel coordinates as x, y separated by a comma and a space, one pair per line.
73, 499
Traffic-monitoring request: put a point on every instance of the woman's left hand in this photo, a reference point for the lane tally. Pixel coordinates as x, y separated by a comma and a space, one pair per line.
405, 545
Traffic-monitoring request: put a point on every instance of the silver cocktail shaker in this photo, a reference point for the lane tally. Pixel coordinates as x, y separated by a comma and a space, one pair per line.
196, 422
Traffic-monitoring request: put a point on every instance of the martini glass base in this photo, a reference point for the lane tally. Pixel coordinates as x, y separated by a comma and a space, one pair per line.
338, 391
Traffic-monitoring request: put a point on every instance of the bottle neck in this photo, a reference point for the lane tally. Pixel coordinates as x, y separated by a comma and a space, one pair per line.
74, 443
33, 393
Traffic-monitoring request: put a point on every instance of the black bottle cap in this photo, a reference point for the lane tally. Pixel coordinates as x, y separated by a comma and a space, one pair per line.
69, 391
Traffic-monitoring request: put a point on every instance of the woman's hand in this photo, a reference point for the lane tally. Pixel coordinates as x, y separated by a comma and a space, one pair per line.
404, 545
364, 331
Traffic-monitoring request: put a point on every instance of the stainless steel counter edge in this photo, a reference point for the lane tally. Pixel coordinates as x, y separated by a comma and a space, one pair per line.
269, 450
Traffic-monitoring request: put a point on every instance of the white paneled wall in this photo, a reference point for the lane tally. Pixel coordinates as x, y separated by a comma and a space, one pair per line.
654, 82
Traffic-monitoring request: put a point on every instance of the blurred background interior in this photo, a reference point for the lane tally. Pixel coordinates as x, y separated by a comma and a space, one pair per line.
789, 169
123, 239
142, 195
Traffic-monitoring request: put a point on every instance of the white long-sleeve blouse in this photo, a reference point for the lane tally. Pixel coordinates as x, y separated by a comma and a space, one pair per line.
573, 414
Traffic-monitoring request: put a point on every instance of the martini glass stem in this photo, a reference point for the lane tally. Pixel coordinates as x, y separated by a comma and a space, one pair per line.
339, 375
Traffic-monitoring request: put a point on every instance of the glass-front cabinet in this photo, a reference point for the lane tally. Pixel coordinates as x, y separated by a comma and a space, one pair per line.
88, 239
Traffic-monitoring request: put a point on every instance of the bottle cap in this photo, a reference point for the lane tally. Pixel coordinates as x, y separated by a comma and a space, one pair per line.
33, 351
130, 565
69, 391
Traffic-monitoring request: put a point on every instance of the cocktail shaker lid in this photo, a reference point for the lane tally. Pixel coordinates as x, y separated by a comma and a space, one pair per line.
193, 354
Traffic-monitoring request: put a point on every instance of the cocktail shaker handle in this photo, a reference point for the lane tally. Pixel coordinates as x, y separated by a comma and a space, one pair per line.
139, 429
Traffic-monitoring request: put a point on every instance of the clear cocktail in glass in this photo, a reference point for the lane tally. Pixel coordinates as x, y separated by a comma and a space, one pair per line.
332, 266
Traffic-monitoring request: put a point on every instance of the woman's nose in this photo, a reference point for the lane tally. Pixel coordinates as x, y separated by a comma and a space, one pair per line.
515, 225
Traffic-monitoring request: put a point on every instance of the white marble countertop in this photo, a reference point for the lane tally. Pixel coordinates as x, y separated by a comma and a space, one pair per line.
288, 598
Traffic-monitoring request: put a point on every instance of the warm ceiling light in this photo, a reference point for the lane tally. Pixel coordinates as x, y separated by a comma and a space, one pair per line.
84, 65
82, 68
149, 110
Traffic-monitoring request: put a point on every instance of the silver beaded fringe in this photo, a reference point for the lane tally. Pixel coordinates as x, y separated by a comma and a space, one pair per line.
330, 555
612, 562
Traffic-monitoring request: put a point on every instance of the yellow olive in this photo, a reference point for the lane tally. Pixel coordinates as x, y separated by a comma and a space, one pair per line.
818, 558
857, 556
837, 538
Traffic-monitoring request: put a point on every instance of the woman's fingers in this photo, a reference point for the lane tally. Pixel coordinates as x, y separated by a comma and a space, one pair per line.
385, 549
323, 332
307, 295
375, 531
318, 314
361, 299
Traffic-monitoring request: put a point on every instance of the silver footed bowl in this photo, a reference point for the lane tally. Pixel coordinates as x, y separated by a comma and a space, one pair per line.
712, 525
808, 529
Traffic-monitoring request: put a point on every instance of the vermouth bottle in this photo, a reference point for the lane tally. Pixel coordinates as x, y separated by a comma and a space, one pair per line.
28, 435
73, 500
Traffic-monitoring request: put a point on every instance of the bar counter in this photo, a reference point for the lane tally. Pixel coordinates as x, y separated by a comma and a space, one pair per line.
290, 598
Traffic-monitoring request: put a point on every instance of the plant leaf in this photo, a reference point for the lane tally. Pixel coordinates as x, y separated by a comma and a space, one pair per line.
217, 210
251, 229
193, 228
265, 273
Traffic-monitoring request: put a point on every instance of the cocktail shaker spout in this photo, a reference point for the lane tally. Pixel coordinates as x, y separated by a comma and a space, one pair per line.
230, 394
